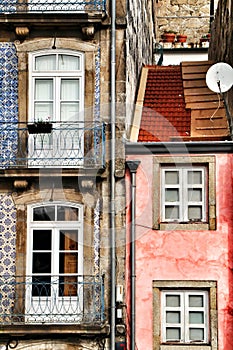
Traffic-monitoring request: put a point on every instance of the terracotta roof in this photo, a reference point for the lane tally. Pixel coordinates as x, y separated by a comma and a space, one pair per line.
164, 113
174, 103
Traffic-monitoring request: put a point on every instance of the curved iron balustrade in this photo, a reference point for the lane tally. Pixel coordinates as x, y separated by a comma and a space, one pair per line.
68, 145
62, 300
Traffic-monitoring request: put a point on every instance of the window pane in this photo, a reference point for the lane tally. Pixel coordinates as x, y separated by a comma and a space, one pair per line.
173, 300
69, 111
194, 213
70, 89
41, 263
196, 317
196, 334
67, 62
69, 93
171, 195
171, 177
196, 300
46, 62
43, 89
41, 286
42, 240
194, 177
171, 212
67, 213
68, 263
44, 213
69, 240
195, 195
172, 317
43, 110
43, 104
173, 334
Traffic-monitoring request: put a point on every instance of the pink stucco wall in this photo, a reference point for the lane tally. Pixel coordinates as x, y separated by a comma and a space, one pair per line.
183, 255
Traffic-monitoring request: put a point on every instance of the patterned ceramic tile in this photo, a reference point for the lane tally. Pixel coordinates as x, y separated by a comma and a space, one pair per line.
8, 103
7, 252
97, 86
98, 287
8, 147
97, 237
98, 136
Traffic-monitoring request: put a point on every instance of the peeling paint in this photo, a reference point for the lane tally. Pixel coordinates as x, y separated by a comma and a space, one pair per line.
184, 255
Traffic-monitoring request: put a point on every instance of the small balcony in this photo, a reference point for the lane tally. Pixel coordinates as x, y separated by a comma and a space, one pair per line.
64, 145
46, 12
49, 6
51, 300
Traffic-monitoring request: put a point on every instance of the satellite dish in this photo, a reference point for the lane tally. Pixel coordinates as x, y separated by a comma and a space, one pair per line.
219, 77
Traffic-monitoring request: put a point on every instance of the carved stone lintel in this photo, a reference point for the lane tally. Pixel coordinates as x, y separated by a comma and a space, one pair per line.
22, 32
89, 31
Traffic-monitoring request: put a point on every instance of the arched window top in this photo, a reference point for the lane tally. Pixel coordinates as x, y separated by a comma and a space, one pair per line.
56, 88
57, 61
56, 212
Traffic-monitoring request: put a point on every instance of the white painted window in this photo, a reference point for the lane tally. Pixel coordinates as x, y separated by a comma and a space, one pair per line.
56, 86
56, 95
183, 194
54, 262
185, 316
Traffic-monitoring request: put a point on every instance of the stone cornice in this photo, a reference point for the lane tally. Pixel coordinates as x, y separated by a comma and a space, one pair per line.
179, 147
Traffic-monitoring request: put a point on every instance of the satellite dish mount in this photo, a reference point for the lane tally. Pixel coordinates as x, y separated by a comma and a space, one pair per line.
219, 79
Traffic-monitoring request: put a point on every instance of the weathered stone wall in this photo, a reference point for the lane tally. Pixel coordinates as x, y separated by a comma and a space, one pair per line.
97, 49
222, 40
139, 47
189, 17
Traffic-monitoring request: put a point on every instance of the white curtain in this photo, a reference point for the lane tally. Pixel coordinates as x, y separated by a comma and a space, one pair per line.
43, 99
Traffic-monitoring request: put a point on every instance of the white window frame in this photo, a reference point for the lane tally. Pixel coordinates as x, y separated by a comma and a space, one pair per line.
56, 75
189, 161
208, 286
54, 226
182, 187
184, 310
67, 136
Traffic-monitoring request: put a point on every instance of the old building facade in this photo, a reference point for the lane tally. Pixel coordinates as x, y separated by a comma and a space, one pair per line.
179, 208
179, 236
57, 63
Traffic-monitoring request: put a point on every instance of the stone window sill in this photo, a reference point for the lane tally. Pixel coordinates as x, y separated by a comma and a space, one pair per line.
189, 226
185, 347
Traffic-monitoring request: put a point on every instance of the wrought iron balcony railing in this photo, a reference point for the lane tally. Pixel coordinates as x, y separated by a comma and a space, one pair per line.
51, 6
26, 300
67, 145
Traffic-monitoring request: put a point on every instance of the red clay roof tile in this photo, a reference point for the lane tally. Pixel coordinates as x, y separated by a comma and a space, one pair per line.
164, 114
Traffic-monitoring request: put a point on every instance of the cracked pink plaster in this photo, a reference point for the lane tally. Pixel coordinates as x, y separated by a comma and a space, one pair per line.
184, 255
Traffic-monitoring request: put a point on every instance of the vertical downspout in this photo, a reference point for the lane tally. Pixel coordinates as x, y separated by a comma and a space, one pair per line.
133, 166
112, 175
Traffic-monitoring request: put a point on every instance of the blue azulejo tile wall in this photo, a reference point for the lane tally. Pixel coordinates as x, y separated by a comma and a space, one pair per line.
7, 253
8, 104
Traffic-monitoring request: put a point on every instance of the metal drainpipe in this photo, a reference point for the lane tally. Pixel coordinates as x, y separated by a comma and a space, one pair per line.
112, 175
133, 166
